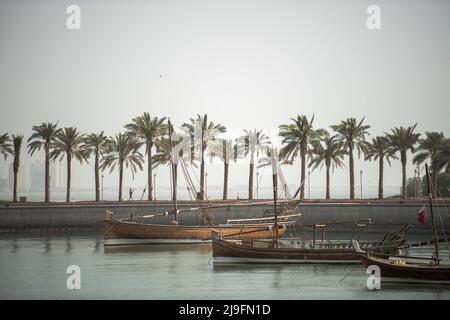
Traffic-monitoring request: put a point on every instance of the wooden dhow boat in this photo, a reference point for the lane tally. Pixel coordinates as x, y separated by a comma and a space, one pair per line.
282, 251
285, 251
407, 269
125, 232
401, 269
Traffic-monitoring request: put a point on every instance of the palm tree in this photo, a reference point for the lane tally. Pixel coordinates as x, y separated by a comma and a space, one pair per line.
403, 139
44, 137
17, 142
229, 152
148, 130
443, 156
163, 156
380, 149
69, 143
353, 134
202, 133
5, 145
296, 139
253, 143
429, 149
96, 144
122, 149
329, 151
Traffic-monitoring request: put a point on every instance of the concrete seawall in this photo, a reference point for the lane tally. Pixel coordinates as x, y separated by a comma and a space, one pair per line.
385, 215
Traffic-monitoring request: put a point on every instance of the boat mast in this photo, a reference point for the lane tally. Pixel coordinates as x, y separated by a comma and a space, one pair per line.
174, 173
436, 244
275, 192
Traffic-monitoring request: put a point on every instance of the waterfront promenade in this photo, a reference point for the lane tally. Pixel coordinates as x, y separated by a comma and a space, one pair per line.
385, 214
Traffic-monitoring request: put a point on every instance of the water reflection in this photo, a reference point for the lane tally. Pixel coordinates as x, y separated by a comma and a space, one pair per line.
276, 280
47, 245
440, 290
68, 245
172, 249
97, 244
278, 267
15, 245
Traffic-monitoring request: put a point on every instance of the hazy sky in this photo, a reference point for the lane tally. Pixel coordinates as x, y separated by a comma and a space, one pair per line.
247, 64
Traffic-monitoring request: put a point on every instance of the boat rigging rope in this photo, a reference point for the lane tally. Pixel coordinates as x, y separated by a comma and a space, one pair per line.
299, 188
191, 184
287, 194
198, 181
140, 201
258, 182
190, 187
195, 175
442, 222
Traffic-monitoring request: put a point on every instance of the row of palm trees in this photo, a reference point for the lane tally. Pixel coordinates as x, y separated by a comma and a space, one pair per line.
350, 137
315, 148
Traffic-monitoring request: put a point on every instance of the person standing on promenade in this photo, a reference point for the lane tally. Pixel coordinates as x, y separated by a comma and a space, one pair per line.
131, 194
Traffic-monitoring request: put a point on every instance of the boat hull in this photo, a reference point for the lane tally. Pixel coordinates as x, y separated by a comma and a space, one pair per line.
125, 233
408, 273
229, 252
134, 241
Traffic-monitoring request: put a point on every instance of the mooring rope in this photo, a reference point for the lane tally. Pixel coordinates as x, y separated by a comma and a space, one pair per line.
346, 275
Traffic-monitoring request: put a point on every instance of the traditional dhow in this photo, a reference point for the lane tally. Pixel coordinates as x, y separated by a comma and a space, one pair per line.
407, 269
119, 232
284, 251
401, 269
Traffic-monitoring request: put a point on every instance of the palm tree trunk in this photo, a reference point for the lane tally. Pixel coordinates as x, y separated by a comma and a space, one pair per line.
250, 178
120, 180
403, 159
327, 196
16, 165
225, 181
175, 180
97, 177
202, 176
149, 173
303, 172
250, 182
15, 186
352, 172
69, 176
47, 174
380, 177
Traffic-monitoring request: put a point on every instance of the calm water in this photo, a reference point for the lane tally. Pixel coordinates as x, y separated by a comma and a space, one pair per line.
33, 267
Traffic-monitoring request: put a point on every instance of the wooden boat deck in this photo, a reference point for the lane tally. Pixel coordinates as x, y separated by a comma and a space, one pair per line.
250, 251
